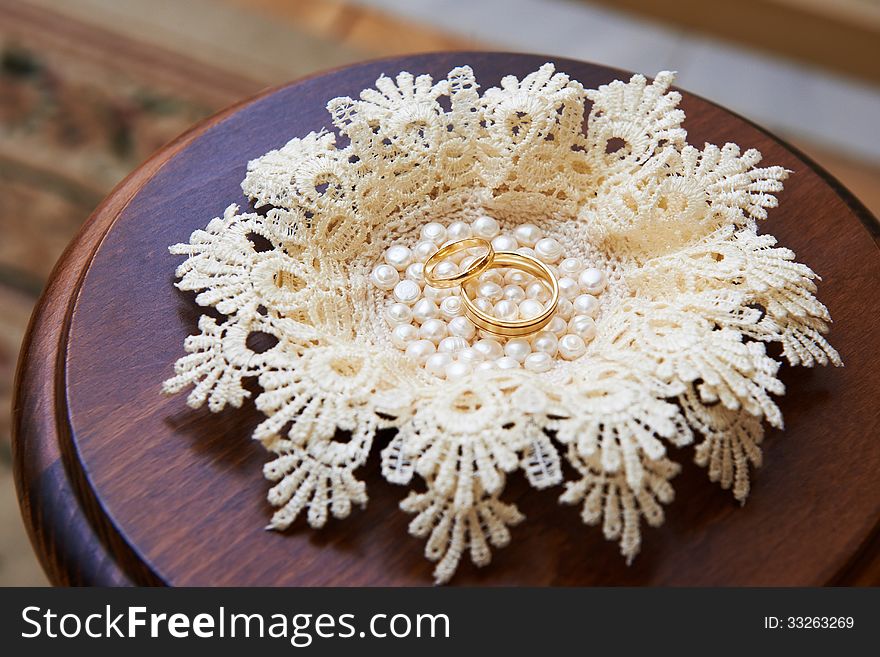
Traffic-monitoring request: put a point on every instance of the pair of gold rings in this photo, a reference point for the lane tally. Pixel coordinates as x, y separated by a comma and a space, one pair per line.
487, 259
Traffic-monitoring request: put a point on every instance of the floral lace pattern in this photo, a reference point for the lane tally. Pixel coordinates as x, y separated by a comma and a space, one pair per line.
694, 295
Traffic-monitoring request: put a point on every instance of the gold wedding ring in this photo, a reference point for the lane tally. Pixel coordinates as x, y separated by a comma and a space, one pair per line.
476, 268
512, 328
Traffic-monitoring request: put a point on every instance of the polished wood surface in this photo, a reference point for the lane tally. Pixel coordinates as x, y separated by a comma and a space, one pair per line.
122, 485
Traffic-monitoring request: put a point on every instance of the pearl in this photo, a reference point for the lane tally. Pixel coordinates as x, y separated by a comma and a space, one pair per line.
399, 257
546, 342
557, 326
568, 287
530, 308
518, 349
490, 348
419, 350
526, 251
403, 334
484, 304
398, 313
491, 291
572, 346
425, 309
407, 292
450, 307
466, 262
433, 330
436, 293
571, 267
513, 293
462, 327
539, 291
485, 226
548, 250
592, 280
485, 366
538, 362
445, 269
385, 277
458, 370
506, 310
436, 363
564, 309
452, 344
434, 232
424, 250
504, 243
506, 363
458, 230
416, 272
586, 304
517, 277
528, 234
491, 276
583, 326
471, 356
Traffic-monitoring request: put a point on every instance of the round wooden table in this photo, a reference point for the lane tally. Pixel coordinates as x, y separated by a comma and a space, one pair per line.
121, 485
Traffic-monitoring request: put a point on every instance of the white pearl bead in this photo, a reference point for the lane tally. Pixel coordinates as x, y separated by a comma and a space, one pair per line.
571, 267
528, 234
445, 269
458, 230
506, 310
470, 355
491, 276
424, 250
407, 291
517, 277
462, 327
513, 292
592, 280
452, 344
564, 309
506, 363
586, 304
548, 249
398, 313
530, 308
538, 362
526, 251
450, 307
568, 287
557, 326
416, 272
399, 257
546, 342
485, 366
403, 334
458, 370
504, 243
425, 309
485, 226
433, 330
490, 348
572, 346
539, 291
466, 262
385, 277
436, 363
484, 304
419, 350
489, 290
583, 326
518, 349
436, 293
434, 232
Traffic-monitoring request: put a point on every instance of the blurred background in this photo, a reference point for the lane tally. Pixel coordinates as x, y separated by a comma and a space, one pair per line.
89, 88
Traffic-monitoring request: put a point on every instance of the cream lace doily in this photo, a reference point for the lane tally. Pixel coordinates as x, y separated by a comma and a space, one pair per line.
694, 294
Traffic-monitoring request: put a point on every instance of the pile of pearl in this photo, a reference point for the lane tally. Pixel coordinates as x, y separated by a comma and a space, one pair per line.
429, 325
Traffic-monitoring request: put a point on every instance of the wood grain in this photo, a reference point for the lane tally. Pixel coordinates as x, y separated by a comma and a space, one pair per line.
167, 495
